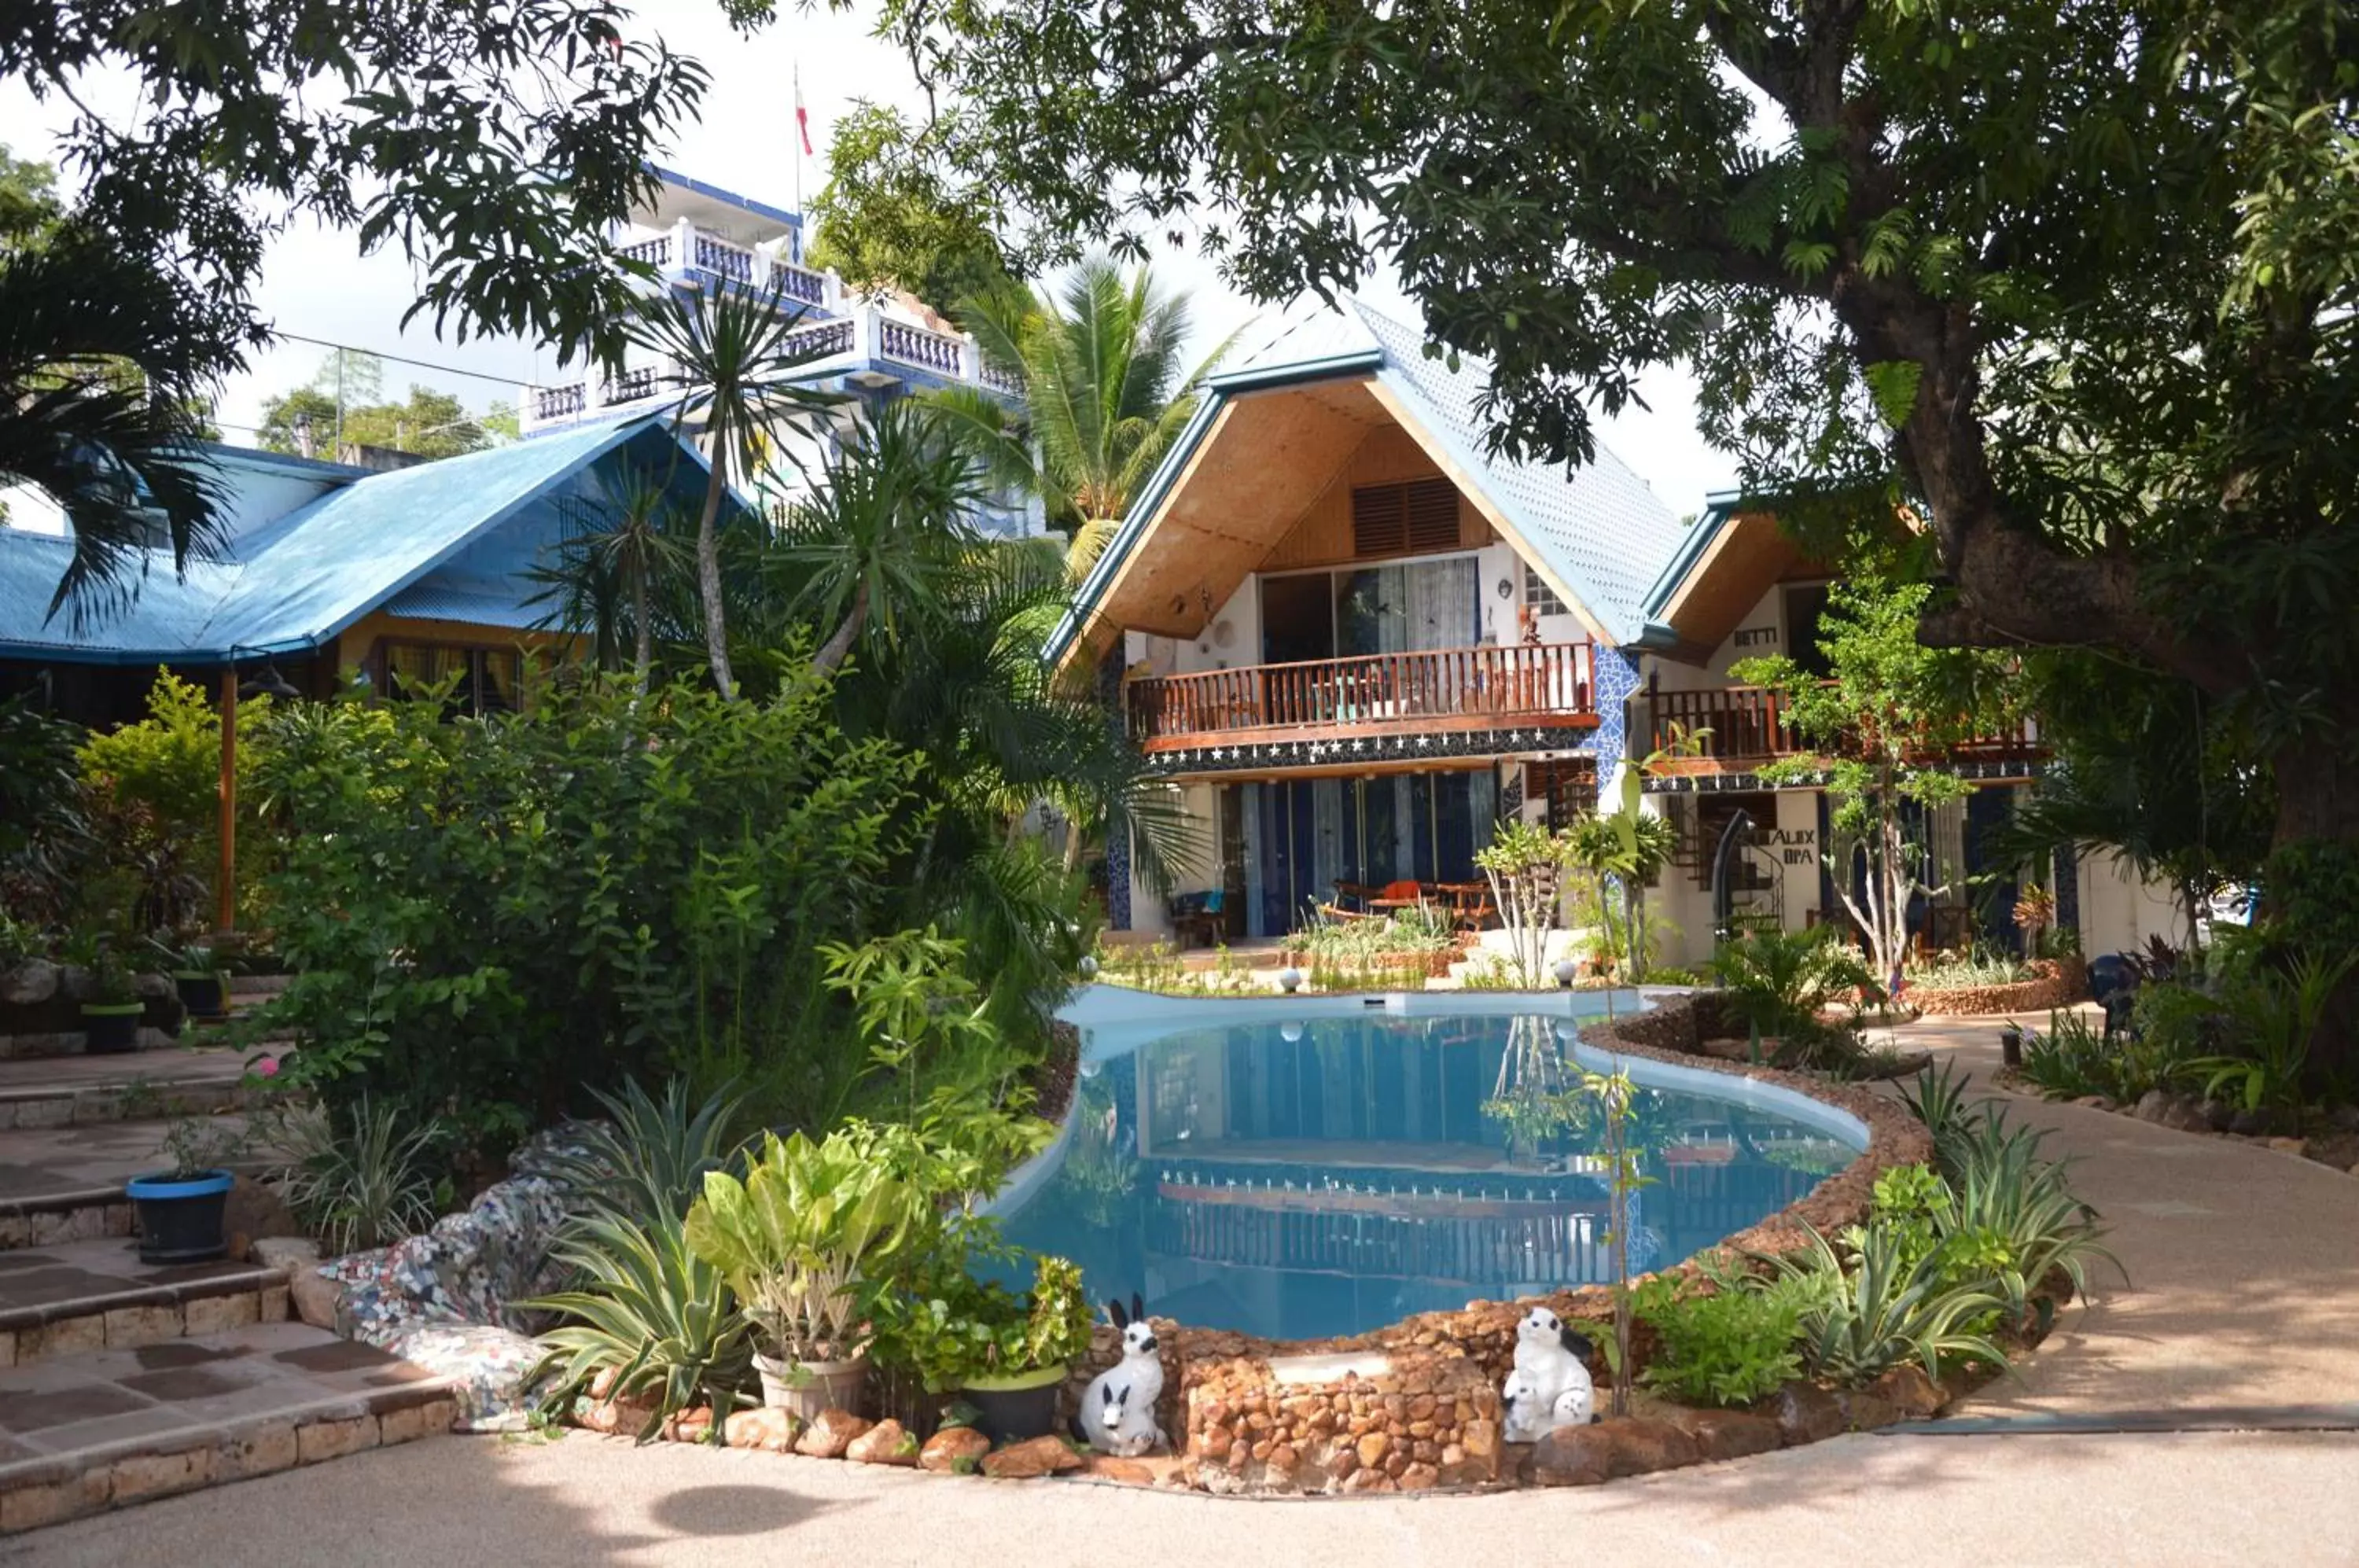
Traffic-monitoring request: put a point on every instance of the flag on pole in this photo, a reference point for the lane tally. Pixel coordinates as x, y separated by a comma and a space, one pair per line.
802, 115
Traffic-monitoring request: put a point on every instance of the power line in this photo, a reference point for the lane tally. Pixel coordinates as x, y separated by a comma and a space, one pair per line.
509, 381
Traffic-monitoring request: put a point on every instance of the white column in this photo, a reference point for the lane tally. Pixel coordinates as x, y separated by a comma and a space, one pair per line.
683, 245
970, 359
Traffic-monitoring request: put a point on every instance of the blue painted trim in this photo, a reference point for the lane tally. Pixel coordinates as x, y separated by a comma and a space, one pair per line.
759, 208
1356, 362
1719, 507
149, 1188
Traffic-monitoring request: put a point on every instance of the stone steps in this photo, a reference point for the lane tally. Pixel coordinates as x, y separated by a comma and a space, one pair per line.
74, 1091
95, 1295
64, 1183
104, 1429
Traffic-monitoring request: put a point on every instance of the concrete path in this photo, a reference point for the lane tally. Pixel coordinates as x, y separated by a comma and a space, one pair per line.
2243, 1263
2121, 1502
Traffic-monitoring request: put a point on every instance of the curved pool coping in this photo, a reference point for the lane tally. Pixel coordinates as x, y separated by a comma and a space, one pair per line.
1115, 1020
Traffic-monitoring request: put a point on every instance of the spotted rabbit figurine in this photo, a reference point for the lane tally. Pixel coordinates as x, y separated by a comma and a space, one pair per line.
1117, 1414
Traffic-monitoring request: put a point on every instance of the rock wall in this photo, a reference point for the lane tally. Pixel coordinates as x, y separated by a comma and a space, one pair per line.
2057, 985
1410, 1422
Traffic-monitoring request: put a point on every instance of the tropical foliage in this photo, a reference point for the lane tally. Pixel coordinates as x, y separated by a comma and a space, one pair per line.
1106, 394
1878, 728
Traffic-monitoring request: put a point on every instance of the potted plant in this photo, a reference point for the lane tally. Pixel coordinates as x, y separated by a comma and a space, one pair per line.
180, 1207
802, 1241
1004, 1354
202, 984
111, 1013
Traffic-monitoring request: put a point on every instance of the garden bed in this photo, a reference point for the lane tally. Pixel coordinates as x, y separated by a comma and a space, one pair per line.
1415, 1405
2055, 983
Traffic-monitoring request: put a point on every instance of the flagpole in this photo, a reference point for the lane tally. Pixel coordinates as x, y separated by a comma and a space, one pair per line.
799, 135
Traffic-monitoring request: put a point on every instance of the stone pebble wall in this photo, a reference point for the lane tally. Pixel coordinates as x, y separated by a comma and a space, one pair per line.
2058, 985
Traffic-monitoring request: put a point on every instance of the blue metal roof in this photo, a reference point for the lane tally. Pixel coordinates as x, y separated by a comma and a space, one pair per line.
1599, 529
293, 582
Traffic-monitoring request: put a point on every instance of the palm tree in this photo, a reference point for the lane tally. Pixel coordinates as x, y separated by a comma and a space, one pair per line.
1104, 394
606, 575
103, 387
886, 529
736, 352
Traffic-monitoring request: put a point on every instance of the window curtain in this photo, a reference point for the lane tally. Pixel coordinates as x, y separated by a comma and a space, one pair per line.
1444, 605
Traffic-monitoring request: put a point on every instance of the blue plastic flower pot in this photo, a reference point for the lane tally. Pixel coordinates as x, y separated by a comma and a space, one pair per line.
180, 1219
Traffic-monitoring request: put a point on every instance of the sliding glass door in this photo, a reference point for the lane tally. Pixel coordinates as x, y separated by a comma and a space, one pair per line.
1303, 836
1397, 607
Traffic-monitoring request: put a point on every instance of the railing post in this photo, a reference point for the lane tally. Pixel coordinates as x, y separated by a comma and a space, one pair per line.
970, 359
831, 291
864, 322
683, 245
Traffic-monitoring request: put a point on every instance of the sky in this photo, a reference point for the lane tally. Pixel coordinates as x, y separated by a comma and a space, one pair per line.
317, 285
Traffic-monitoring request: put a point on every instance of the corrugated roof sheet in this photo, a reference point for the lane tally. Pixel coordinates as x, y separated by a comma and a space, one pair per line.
296, 580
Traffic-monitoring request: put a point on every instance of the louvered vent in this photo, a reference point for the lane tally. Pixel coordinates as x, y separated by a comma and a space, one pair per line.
1418, 517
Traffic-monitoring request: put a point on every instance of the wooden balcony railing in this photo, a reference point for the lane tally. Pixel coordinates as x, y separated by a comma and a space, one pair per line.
1539, 685
1739, 727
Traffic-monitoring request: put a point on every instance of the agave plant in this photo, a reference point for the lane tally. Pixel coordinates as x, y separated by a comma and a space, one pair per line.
2023, 1223
1885, 1311
1938, 1099
649, 1311
649, 1158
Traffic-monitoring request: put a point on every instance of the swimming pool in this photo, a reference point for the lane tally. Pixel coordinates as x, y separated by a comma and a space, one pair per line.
1301, 1169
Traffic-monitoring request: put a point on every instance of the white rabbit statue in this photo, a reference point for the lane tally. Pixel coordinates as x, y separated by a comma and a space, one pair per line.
1117, 1414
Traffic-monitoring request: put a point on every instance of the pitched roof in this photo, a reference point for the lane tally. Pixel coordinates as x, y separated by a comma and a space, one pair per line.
294, 581
1598, 529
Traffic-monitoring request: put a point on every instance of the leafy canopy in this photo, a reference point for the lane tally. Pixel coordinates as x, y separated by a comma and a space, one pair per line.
888, 218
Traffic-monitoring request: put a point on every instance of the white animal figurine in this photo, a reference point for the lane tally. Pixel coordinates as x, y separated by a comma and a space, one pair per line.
1550, 1387
1117, 1414
1526, 1412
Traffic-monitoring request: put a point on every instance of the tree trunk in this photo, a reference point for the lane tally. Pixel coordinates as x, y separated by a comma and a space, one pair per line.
708, 582
643, 636
838, 646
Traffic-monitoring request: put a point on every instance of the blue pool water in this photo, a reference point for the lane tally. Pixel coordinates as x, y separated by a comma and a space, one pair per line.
1332, 1174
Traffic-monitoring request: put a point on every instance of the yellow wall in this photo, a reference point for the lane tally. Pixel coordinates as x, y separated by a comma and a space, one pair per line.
357, 646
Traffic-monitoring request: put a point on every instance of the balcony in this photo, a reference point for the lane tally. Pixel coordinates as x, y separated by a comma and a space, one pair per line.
1541, 686
685, 254
867, 346
1737, 729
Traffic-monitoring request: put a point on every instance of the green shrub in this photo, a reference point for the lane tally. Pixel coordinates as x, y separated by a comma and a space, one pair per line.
1780, 981
492, 920
1975, 966
1731, 1347
951, 1328
45, 830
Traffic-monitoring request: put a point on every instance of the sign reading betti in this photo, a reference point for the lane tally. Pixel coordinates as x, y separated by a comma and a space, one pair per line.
1756, 636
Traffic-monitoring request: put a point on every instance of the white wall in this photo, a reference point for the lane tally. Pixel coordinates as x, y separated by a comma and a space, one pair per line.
1763, 631
2118, 913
